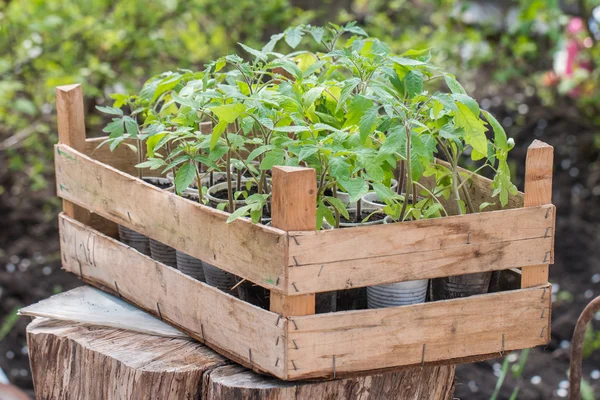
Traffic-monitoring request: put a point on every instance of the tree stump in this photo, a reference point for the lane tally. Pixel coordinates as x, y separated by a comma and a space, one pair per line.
79, 361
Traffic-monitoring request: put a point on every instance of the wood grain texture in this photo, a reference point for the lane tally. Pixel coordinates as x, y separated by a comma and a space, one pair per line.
252, 251
479, 189
294, 202
122, 157
538, 191
294, 199
241, 331
372, 339
233, 382
369, 255
71, 131
75, 361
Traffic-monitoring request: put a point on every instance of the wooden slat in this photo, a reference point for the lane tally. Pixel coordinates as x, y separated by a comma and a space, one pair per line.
122, 157
480, 190
71, 131
232, 327
538, 191
252, 251
392, 337
364, 256
294, 208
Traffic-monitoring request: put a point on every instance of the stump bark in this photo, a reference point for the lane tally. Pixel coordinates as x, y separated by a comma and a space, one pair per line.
79, 361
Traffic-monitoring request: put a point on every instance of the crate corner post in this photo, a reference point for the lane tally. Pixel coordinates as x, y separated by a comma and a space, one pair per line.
71, 132
293, 209
538, 191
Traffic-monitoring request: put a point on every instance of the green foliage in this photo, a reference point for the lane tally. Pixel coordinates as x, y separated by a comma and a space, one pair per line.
359, 117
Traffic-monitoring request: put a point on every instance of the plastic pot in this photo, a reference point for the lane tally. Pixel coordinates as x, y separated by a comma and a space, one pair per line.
218, 177
220, 279
163, 253
454, 287
190, 266
134, 239
397, 294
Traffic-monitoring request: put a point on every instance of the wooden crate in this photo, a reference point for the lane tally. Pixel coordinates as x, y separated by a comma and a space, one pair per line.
294, 262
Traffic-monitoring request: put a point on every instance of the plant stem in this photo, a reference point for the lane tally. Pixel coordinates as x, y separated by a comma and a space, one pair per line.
335, 210
229, 183
408, 173
401, 177
139, 157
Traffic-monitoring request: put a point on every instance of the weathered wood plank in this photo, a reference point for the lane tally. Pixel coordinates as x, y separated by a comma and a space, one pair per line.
373, 339
71, 131
241, 331
363, 256
255, 252
538, 191
122, 158
83, 362
294, 208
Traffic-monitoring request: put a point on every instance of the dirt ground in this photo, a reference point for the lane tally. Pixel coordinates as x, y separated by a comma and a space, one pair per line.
30, 268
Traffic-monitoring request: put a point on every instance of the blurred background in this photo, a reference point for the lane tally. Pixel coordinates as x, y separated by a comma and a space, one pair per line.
530, 62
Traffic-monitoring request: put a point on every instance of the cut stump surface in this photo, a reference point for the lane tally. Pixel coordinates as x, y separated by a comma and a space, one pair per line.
78, 361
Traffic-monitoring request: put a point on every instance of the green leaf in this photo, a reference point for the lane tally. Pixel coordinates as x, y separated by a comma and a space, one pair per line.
258, 151
413, 82
317, 33
311, 96
216, 133
500, 139
306, 151
272, 158
453, 85
485, 205
131, 126
229, 112
115, 128
356, 109
356, 188
337, 204
474, 128
185, 176
256, 53
339, 169
406, 62
152, 142
468, 101
153, 163
293, 36
110, 110
324, 213
240, 212
395, 142
346, 92
367, 122
292, 128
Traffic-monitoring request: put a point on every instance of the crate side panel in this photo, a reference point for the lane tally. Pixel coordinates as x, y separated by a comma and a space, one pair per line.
353, 257
430, 332
252, 251
247, 334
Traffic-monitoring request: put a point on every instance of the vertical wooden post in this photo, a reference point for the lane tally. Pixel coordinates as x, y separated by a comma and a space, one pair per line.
71, 131
294, 208
538, 191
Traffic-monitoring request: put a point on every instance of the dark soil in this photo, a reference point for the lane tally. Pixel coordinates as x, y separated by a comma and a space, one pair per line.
364, 214
30, 262
222, 194
159, 183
